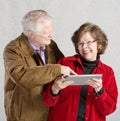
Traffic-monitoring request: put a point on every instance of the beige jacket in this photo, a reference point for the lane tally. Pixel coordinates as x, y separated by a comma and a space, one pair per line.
25, 79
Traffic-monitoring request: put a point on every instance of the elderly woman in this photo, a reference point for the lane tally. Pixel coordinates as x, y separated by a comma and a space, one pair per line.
91, 102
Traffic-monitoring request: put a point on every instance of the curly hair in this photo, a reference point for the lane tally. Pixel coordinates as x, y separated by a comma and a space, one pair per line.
95, 31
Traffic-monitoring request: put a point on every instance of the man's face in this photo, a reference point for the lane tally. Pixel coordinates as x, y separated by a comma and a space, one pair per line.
45, 35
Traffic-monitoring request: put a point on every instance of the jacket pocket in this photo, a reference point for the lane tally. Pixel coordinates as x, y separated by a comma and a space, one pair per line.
13, 105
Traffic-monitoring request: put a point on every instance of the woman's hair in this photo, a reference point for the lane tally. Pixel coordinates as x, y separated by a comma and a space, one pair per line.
33, 21
95, 31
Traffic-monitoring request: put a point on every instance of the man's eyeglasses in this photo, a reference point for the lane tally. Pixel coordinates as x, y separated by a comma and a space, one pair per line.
88, 43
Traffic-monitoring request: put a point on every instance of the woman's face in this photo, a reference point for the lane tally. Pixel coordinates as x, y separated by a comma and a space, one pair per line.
87, 47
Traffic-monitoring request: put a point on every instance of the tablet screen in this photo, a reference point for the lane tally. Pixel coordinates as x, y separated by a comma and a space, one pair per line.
81, 79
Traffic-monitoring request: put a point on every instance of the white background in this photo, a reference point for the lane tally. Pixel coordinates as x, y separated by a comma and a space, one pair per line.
68, 16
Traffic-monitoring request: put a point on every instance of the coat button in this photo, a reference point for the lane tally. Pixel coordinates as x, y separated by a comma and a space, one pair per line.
87, 106
88, 94
86, 118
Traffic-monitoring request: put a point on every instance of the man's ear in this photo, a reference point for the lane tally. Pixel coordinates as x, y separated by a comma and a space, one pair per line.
30, 35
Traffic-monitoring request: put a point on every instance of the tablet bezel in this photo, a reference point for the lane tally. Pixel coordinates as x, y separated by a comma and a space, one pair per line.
81, 79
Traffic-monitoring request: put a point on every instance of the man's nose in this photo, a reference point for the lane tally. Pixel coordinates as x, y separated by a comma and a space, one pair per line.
50, 36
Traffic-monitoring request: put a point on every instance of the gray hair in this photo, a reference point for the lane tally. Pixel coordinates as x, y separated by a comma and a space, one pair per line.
33, 21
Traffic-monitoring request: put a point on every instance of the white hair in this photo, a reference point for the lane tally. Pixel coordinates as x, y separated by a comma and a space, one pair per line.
33, 21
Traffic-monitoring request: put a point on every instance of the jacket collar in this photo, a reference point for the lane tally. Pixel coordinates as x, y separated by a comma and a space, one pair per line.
78, 60
25, 46
27, 49
75, 58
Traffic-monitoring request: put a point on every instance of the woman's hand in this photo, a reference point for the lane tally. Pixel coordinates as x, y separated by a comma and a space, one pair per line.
95, 83
59, 84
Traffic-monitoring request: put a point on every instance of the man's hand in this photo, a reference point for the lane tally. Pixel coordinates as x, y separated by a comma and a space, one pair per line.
65, 70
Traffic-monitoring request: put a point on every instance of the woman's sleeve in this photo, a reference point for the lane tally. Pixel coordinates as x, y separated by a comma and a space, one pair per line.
48, 98
106, 103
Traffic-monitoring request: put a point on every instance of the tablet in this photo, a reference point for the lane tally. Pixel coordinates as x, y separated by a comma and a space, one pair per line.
81, 79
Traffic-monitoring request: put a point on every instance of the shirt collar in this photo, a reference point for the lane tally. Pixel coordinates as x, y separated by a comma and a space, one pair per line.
42, 48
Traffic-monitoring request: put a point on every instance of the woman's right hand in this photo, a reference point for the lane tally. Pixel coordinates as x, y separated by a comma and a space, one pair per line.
59, 84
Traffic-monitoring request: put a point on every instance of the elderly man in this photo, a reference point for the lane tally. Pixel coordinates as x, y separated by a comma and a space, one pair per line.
30, 63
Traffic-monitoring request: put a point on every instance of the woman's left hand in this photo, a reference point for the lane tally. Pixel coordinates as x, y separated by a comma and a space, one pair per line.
95, 83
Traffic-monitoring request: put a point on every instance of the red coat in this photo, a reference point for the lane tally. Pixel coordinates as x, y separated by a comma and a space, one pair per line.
64, 107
